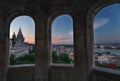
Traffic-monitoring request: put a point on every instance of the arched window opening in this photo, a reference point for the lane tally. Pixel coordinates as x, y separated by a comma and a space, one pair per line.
107, 37
62, 45
22, 41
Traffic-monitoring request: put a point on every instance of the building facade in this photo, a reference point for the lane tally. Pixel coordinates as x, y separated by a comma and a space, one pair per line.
18, 46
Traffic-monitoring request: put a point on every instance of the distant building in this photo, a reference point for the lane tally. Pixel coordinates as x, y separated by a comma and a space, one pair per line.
17, 45
64, 50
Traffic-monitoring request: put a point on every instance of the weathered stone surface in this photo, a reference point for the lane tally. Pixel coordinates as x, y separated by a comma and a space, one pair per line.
43, 12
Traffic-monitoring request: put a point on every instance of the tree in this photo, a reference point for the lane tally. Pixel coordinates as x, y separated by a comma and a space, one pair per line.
64, 58
54, 57
26, 59
12, 60
61, 58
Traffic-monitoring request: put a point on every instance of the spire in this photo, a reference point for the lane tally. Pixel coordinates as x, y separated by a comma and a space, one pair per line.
20, 35
14, 36
20, 32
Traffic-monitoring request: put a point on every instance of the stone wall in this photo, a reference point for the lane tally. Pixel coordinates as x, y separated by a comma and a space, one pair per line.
21, 73
43, 12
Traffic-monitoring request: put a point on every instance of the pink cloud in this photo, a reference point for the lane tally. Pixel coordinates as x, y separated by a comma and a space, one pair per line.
100, 23
30, 40
61, 39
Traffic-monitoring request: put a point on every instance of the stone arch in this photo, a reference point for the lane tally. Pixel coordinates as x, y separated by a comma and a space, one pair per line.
58, 12
96, 7
91, 13
14, 14
19, 12
93, 10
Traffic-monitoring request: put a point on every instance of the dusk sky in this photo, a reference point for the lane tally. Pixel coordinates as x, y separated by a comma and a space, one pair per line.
27, 26
62, 30
106, 27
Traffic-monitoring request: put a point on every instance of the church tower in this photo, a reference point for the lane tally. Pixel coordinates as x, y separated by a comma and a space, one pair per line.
20, 37
14, 38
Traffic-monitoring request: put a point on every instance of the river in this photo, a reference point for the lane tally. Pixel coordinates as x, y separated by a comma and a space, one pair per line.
111, 51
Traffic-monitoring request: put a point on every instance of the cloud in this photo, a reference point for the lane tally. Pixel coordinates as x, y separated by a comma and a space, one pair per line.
101, 22
30, 40
62, 39
65, 38
71, 33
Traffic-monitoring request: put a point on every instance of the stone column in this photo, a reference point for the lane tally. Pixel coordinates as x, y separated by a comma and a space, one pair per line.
82, 59
41, 62
4, 45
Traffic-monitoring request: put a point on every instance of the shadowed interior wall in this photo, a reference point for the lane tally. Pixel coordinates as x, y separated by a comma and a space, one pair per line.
82, 12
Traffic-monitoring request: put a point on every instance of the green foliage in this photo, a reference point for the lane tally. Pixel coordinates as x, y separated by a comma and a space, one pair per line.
26, 59
71, 61
119, 67
30, 58
64, 58
12, 60
61, 58
102, 65
54, 57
